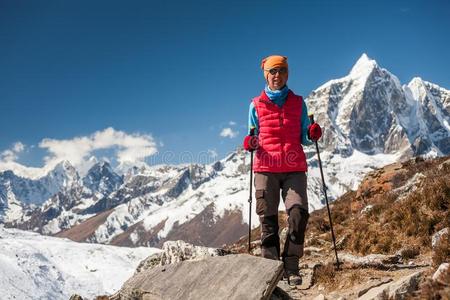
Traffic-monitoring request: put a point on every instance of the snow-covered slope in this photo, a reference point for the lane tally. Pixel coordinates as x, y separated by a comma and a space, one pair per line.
41, 267
430, 115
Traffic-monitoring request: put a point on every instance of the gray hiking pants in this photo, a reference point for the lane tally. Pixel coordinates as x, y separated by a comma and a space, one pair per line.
293, 191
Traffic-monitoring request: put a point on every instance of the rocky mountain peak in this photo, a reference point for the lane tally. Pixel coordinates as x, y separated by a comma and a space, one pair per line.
369, 111
363, 67
102, 179
62, 176
102, 167
418, 88
415, 81
63, 165
65, 169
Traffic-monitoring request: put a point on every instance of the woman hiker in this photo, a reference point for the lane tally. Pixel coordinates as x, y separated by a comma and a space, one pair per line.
278, 127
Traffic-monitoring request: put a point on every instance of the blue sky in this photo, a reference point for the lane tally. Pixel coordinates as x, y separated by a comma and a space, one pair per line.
171, 75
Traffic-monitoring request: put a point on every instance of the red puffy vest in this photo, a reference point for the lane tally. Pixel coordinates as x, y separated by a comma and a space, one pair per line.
280, 149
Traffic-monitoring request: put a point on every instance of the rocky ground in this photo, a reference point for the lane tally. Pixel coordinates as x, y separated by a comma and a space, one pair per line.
392, 240
374, 276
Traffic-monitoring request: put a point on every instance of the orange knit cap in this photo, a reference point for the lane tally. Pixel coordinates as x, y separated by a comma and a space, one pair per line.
273, 61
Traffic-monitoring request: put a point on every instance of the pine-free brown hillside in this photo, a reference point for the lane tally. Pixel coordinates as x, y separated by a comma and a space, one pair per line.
400, 204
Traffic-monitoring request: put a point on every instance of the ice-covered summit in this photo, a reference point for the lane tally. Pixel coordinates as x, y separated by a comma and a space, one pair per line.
363, 67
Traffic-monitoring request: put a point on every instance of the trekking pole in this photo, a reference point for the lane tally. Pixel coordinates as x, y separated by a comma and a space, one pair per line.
324, 187
250, 202
252, 132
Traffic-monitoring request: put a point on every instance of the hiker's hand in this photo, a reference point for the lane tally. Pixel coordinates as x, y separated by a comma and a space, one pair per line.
250, 142
314, 132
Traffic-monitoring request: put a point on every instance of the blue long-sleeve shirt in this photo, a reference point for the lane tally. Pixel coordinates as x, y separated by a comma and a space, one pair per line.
304, 120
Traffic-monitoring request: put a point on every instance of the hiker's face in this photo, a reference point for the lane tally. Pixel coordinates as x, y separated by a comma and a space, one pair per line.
277, 78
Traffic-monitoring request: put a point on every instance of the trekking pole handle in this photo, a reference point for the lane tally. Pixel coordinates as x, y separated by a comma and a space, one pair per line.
311, 118
252, 133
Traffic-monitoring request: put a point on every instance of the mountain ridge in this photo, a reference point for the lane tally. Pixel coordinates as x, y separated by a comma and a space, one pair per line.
369, 120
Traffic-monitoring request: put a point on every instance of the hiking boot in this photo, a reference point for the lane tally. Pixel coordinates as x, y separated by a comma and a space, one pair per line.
293, 278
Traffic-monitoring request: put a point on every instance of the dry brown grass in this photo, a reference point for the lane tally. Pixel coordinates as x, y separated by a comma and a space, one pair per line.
409, 252
326, 275
343, 279
356, 276
392, 223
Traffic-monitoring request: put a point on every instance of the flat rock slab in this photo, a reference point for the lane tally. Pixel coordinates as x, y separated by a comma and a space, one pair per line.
399, 289
239, 276
361, 290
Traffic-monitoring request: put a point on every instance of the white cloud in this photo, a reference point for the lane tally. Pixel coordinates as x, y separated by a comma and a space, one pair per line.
132, 148
8, 159
232, 123
79, 151
10, 155
18, 147
228, 132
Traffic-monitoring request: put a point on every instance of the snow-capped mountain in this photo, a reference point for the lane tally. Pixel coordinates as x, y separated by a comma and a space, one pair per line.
158, 199
369, 111
60, 210
369, 120
17, 193
41, 267
102, 179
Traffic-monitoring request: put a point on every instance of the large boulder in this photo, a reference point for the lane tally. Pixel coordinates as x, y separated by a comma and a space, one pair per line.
239, 276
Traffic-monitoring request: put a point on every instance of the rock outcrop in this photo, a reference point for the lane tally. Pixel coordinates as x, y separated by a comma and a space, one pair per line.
442, 274
225, 277
177, 251
399, 289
